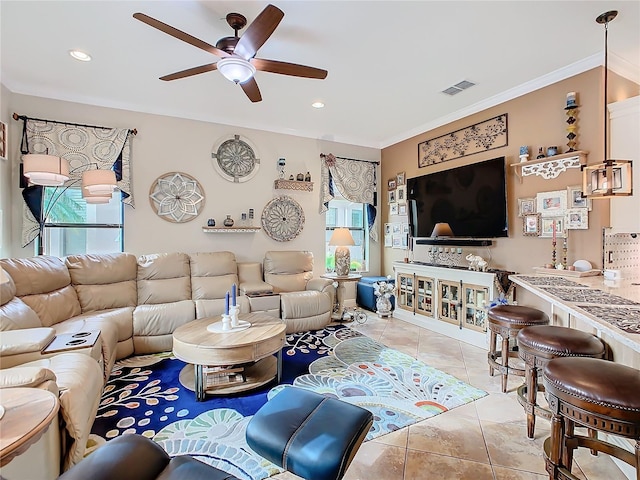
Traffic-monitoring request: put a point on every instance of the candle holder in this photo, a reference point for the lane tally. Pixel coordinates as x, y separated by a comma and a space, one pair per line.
571, 111
233, 313
221, 327
553, 253
564, 253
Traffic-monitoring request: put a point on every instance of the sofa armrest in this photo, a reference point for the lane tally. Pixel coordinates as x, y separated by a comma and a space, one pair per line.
320, 285
20, 346
26, 377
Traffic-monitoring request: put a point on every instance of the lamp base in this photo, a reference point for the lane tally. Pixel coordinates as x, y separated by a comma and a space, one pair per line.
343, 261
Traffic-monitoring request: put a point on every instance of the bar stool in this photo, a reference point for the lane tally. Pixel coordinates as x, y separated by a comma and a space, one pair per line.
507, 321
596, 394
541, 343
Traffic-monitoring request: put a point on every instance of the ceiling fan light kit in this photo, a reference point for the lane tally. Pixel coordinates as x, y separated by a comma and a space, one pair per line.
236, 69
237, 54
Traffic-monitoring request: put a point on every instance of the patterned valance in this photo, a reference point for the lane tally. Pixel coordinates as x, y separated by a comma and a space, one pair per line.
85, 148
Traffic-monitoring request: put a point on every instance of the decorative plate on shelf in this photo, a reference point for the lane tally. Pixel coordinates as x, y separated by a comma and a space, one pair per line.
235, 159
176, 197
283, 219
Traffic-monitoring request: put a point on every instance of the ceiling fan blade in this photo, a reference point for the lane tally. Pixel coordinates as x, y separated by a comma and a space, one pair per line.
258, 32
285, 68
189, 72
179, 34
250, 87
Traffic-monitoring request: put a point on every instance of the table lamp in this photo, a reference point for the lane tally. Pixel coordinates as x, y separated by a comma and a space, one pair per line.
442, 230
342, 239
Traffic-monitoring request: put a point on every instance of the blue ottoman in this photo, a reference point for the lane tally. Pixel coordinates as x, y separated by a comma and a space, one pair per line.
364, 292
308, 434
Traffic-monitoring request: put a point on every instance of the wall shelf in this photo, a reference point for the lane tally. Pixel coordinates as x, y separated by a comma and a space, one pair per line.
293, 185
550, 167
462, 242
230, 229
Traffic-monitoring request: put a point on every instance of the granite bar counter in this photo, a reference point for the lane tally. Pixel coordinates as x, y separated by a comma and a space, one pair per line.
610, 308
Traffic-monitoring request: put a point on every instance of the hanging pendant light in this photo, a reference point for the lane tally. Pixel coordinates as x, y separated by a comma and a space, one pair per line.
611, 178
46, 170
98, 183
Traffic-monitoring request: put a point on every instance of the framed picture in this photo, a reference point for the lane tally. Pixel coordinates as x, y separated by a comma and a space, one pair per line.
396, 228
391, 197
397, 240
4, 134
526, 206
546, 227
401, 194
531, 225
575, 198
400, 179
393, 208
577, 219
405, 228
550, 204
405, 240
391, 184
387, 228
388, 240
402, 209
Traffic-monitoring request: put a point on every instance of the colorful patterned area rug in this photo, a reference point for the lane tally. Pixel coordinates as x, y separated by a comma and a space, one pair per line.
144, 396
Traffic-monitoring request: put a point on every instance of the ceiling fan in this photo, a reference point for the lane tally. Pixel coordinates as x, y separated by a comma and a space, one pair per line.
237, 54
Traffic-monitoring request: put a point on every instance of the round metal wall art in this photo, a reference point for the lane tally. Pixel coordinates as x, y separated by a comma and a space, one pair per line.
176, 197
235, 159
283, 219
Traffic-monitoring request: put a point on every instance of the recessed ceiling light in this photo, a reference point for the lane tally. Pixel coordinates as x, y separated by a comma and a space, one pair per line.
317, 105
80, 55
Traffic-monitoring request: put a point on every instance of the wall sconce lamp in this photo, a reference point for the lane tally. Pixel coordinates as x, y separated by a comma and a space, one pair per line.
611, 178
341, 238
441, 230
46, 170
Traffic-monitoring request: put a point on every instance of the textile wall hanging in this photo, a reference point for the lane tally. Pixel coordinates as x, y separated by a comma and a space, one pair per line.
354, 179
480, 137
176, 197
84, 147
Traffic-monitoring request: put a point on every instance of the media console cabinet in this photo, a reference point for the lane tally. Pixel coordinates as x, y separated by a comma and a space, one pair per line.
452, 301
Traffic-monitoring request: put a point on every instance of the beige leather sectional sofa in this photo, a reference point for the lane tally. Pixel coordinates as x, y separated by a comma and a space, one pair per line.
135, 304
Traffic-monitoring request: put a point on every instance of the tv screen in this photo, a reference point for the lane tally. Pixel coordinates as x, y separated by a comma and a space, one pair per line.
472, 199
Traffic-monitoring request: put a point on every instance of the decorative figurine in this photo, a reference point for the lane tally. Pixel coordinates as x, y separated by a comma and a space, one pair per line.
524, 153
291, 177
300, 177
540, 152
281, 164
551, 151
228, 222
211, 222
307, 177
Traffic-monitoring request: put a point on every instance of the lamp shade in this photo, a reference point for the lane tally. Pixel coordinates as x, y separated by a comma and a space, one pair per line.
236, 69
342, 239
442, 230
47, 170
98, 182
609, 179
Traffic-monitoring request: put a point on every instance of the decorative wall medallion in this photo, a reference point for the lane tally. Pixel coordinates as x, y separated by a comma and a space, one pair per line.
283, 219
235, 159
176, 197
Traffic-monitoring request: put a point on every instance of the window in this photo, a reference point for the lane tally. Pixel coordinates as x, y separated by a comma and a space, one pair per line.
343, 213
73, 226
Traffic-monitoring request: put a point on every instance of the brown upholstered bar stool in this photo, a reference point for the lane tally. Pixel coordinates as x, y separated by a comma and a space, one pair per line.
507, 321
541, 343
596, 394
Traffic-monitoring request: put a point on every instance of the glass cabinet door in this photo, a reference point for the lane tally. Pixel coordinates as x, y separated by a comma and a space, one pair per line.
405, 297
424, 295
449, 301
475, 300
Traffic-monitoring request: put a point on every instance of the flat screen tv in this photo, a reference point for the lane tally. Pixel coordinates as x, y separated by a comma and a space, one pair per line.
472, 199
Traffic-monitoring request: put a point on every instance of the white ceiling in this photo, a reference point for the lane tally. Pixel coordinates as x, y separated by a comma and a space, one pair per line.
388, 61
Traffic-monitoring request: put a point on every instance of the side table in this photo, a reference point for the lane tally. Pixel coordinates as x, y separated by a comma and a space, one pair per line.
339, 311
29, 435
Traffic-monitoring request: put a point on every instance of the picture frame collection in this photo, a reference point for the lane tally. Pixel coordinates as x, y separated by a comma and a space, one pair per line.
396, 235
566, 209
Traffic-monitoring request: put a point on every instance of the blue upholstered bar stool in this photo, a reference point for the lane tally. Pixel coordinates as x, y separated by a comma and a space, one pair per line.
507, 321
538, 345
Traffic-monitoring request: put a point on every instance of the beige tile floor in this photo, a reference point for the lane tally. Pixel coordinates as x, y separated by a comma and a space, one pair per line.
485, 439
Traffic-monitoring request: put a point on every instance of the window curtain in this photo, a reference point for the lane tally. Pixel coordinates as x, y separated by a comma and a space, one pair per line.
85, 148
355, 180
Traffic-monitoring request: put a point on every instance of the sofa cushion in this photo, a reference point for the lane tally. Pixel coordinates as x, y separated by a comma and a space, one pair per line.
163, 278
212, 274
15, 314
7, 287
288, 271
104, 281
44, 284
150, 320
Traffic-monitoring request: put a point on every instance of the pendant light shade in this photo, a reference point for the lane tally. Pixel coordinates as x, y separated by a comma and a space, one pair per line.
611, 178
98, 182
46, 170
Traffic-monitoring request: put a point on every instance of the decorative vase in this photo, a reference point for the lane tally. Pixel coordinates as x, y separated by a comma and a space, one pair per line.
228, 222
383, 306
211, 222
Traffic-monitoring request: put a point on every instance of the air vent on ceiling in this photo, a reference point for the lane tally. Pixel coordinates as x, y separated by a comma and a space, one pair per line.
458, 87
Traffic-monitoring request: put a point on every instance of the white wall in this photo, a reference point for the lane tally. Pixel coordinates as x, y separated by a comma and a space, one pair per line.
166, 144
5, 178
